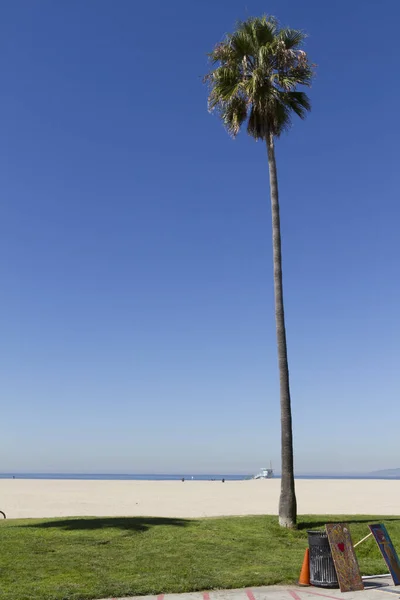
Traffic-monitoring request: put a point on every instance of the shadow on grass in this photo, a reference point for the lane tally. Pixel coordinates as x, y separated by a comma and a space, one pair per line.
123, 523
338, 519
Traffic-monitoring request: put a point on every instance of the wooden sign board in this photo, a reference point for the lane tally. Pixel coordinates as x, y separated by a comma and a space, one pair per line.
387, 550
344, 558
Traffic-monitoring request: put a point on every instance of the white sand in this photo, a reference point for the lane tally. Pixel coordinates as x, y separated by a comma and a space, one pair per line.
58, 498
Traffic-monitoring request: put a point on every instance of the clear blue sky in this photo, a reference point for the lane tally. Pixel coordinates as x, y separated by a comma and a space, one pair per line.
137, 321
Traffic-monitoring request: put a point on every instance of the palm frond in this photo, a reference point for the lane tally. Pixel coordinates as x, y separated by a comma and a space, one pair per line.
273, 118
290, 79
280, 118
242, 44
256, 126
301, 72
292, 38
298, 102
234, 114
265, 30
262, 30
221, 53
266, 56
225, 81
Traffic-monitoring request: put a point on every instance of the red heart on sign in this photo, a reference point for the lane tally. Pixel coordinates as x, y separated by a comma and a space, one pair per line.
341, 547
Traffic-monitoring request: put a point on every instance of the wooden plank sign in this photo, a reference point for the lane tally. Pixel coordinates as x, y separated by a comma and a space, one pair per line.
387, 550
344, 558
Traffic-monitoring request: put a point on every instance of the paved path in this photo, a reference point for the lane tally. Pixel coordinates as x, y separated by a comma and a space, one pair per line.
375, 589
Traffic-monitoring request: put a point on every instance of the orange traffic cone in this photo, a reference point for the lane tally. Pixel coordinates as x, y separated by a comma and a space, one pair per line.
304, 578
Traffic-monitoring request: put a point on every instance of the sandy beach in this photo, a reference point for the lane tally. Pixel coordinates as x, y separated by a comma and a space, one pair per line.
59, 498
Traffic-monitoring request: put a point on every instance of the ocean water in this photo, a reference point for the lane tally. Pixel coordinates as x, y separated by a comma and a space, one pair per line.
122, 476
168, 477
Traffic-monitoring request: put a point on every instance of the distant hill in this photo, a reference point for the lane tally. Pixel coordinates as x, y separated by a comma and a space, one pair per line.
392, 473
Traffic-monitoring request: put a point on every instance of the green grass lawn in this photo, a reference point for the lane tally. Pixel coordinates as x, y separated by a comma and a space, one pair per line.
81, 559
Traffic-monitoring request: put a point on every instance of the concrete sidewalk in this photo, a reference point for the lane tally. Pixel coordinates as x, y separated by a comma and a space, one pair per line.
375, 589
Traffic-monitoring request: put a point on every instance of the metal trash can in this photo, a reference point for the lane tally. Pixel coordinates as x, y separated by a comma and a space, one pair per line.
322, 569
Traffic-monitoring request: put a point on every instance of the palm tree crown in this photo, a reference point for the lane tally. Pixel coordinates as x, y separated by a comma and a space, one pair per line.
258, 70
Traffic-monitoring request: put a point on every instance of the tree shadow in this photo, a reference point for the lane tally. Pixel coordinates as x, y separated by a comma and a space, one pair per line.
338, 519
123, 523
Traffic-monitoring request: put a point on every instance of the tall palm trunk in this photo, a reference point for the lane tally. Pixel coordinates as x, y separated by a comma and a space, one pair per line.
287, 501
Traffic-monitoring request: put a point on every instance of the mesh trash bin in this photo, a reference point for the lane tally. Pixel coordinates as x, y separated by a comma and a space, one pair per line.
322, 569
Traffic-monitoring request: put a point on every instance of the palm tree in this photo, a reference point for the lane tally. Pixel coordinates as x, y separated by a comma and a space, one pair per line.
256, 73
